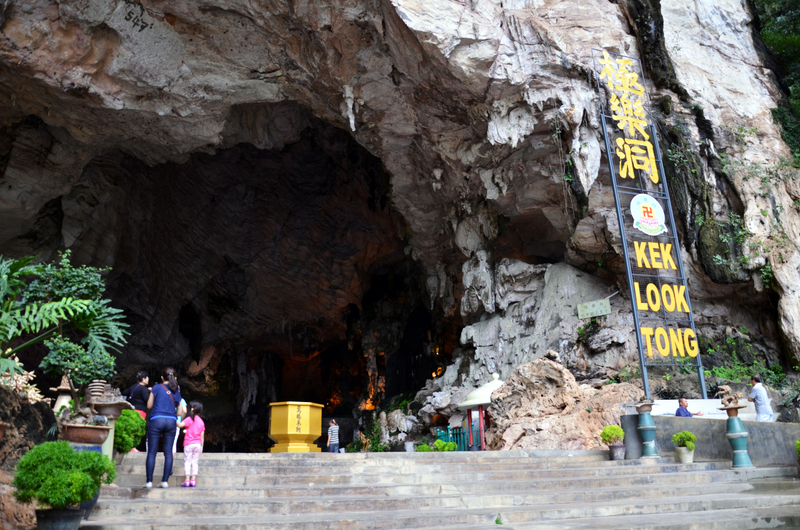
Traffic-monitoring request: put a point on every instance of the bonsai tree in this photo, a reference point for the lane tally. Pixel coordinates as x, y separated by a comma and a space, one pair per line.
55, 475
60, 305
129, 431
684, 439
612, 435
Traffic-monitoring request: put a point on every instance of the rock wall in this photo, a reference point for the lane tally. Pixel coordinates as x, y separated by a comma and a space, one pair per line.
122, 121
28, 426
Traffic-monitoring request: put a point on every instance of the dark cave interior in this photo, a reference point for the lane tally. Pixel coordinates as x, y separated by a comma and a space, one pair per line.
261, 275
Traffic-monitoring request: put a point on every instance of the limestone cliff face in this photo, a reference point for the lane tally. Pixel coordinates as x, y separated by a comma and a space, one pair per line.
175, 140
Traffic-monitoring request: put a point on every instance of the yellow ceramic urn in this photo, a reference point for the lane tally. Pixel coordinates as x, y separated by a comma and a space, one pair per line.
294, 425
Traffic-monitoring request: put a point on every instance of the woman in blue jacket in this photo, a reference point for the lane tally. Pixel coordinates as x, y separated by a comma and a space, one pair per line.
163, 404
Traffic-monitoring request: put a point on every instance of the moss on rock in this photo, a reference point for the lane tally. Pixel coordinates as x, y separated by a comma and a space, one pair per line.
683, 171
648, 24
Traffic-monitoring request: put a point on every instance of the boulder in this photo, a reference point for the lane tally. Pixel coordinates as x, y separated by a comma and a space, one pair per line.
541, 406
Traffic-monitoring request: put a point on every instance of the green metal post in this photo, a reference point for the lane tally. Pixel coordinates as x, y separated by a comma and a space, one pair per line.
647, 432
737, 436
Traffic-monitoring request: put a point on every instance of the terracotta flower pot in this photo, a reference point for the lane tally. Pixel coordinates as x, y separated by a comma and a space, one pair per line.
86, 434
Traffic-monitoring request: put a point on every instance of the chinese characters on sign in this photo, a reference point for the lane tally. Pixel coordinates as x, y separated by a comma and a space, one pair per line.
299, 427
659, 296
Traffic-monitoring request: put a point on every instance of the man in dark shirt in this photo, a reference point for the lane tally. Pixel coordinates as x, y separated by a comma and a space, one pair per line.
683, 409
139, 393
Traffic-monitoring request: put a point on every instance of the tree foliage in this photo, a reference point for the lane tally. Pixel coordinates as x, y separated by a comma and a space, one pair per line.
55, 475
780, 29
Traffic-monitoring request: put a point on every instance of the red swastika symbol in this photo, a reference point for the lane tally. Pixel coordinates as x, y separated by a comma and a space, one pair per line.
647, 211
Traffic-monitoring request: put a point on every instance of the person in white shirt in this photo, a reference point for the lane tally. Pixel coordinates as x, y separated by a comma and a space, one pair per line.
760, 397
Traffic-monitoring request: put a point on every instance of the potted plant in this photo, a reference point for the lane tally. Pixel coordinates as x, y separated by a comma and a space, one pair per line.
82, 366
56, 476
684, 441
128, 433
612, 435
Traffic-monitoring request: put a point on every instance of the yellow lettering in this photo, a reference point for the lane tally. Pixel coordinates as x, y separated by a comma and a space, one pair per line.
666, 256
691, 343
663, 349
647, 333
676, 341
654, 255
668, 297
653, 301
641, 257
641, 306
680, 299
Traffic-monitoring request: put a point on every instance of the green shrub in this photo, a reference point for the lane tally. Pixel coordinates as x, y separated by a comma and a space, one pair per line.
684, 439
354, 447
129, 431
797, 448
444, 447
55, 475
423, 448
612, 434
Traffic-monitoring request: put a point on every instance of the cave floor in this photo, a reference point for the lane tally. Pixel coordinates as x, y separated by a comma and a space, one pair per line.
519, 489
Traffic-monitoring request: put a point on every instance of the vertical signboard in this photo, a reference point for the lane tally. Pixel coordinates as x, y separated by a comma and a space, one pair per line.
662, 312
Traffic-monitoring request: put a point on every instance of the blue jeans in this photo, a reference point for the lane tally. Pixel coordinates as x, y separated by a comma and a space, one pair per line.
333, 448
160, 429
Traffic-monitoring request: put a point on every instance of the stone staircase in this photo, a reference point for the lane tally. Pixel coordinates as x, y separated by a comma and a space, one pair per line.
518, 489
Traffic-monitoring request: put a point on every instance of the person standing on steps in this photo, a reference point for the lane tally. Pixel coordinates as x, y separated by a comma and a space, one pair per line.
138, 394
760, 397
683, 409
163, 403
193, 441
333, 437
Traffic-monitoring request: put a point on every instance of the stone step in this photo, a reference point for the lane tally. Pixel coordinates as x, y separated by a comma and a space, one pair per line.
399, 457
339, 462
135, 477
744, 518
337, 517
526, 485
202, 505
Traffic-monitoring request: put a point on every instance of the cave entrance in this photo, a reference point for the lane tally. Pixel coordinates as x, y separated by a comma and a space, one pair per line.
271, 269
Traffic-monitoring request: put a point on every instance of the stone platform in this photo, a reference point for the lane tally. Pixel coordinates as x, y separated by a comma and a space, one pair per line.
520, 489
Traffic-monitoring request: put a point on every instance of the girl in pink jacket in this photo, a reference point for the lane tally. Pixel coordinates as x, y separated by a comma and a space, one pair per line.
193, 438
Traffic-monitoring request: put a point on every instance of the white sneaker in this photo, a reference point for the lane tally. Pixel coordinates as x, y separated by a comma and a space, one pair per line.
148, 485
164, 485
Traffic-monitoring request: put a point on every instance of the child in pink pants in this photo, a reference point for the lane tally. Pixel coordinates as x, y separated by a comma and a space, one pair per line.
194, 436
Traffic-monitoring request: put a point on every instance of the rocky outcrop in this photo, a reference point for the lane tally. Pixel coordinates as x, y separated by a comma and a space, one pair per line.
253, 172
541, 406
